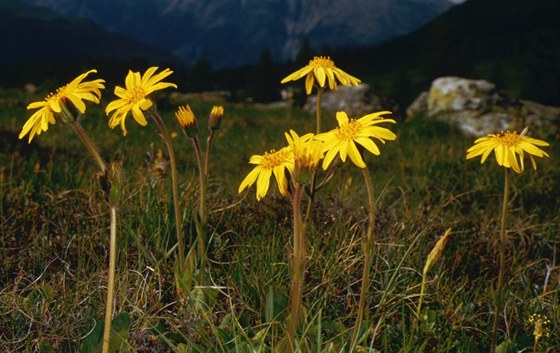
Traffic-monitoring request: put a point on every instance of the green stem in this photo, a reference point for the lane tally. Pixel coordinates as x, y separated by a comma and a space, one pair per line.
312, 187
298, 268
77, 127
174, 185
89, 145
201, 227
368, 246
535, 346
318, 109
502, 245
209, 141
111, 282
422, 288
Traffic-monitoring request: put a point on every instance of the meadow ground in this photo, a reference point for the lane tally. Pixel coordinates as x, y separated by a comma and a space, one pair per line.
54, 242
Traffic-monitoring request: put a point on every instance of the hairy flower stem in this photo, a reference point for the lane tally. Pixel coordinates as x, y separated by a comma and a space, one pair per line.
175, 188
368, 247
312, 187
111, 281
298, 268
201, 224
112, 241
318, 109
89, 145
502, 249
422, 289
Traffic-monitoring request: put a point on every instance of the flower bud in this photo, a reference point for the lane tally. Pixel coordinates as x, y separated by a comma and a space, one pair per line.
306, 159
187, 120
116, 181
215, 119
112, 182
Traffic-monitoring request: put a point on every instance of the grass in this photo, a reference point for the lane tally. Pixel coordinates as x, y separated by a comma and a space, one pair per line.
54, 242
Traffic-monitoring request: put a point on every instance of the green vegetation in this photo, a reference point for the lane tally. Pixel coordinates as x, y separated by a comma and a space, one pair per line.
512, 43
54, 242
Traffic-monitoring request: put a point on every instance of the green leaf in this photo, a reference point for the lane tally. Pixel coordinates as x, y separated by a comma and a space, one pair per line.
184, 280
276, 304
92, 343
119, 335
204, 297
507, 347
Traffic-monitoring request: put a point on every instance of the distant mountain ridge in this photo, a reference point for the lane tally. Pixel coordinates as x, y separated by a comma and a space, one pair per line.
512, 43
38, 44
231, 33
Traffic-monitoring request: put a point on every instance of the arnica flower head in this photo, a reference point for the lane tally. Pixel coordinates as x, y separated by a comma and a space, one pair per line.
307, 152
322, 69
61, 104
215, 119
187, 120
351, 134
274, 162
509, 148
134, 97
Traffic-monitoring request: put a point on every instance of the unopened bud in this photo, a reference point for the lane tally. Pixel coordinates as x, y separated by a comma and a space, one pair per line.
111, 183
187, 120
116, 181
215, 120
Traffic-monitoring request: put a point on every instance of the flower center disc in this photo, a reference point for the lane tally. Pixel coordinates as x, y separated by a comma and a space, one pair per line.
321, 61
349, 131
136, 95
273, 159
509, 138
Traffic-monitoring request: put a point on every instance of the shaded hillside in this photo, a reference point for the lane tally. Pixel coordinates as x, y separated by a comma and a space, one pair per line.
39, 44
232, 33
513, 43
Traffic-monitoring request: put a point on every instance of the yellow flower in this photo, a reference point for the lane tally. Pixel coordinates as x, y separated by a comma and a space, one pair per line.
343, 139
134, 98
215, 119
322, 69
58, 104
187, 120
509, 148
307, 153
273, 162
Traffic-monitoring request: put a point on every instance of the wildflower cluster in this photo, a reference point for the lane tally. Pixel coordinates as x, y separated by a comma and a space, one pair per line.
294, 166
303, 153
134, 98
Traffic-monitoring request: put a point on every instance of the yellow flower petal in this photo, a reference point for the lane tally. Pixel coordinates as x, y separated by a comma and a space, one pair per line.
321, 69
509, 148
277, 162
71, 95
134, 97
355, 156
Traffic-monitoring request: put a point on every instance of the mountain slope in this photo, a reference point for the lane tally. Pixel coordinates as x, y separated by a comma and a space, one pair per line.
34, 39
514, 43
230, 33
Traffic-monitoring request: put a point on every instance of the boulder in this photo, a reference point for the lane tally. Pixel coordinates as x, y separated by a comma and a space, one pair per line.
355, 101
477, 108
